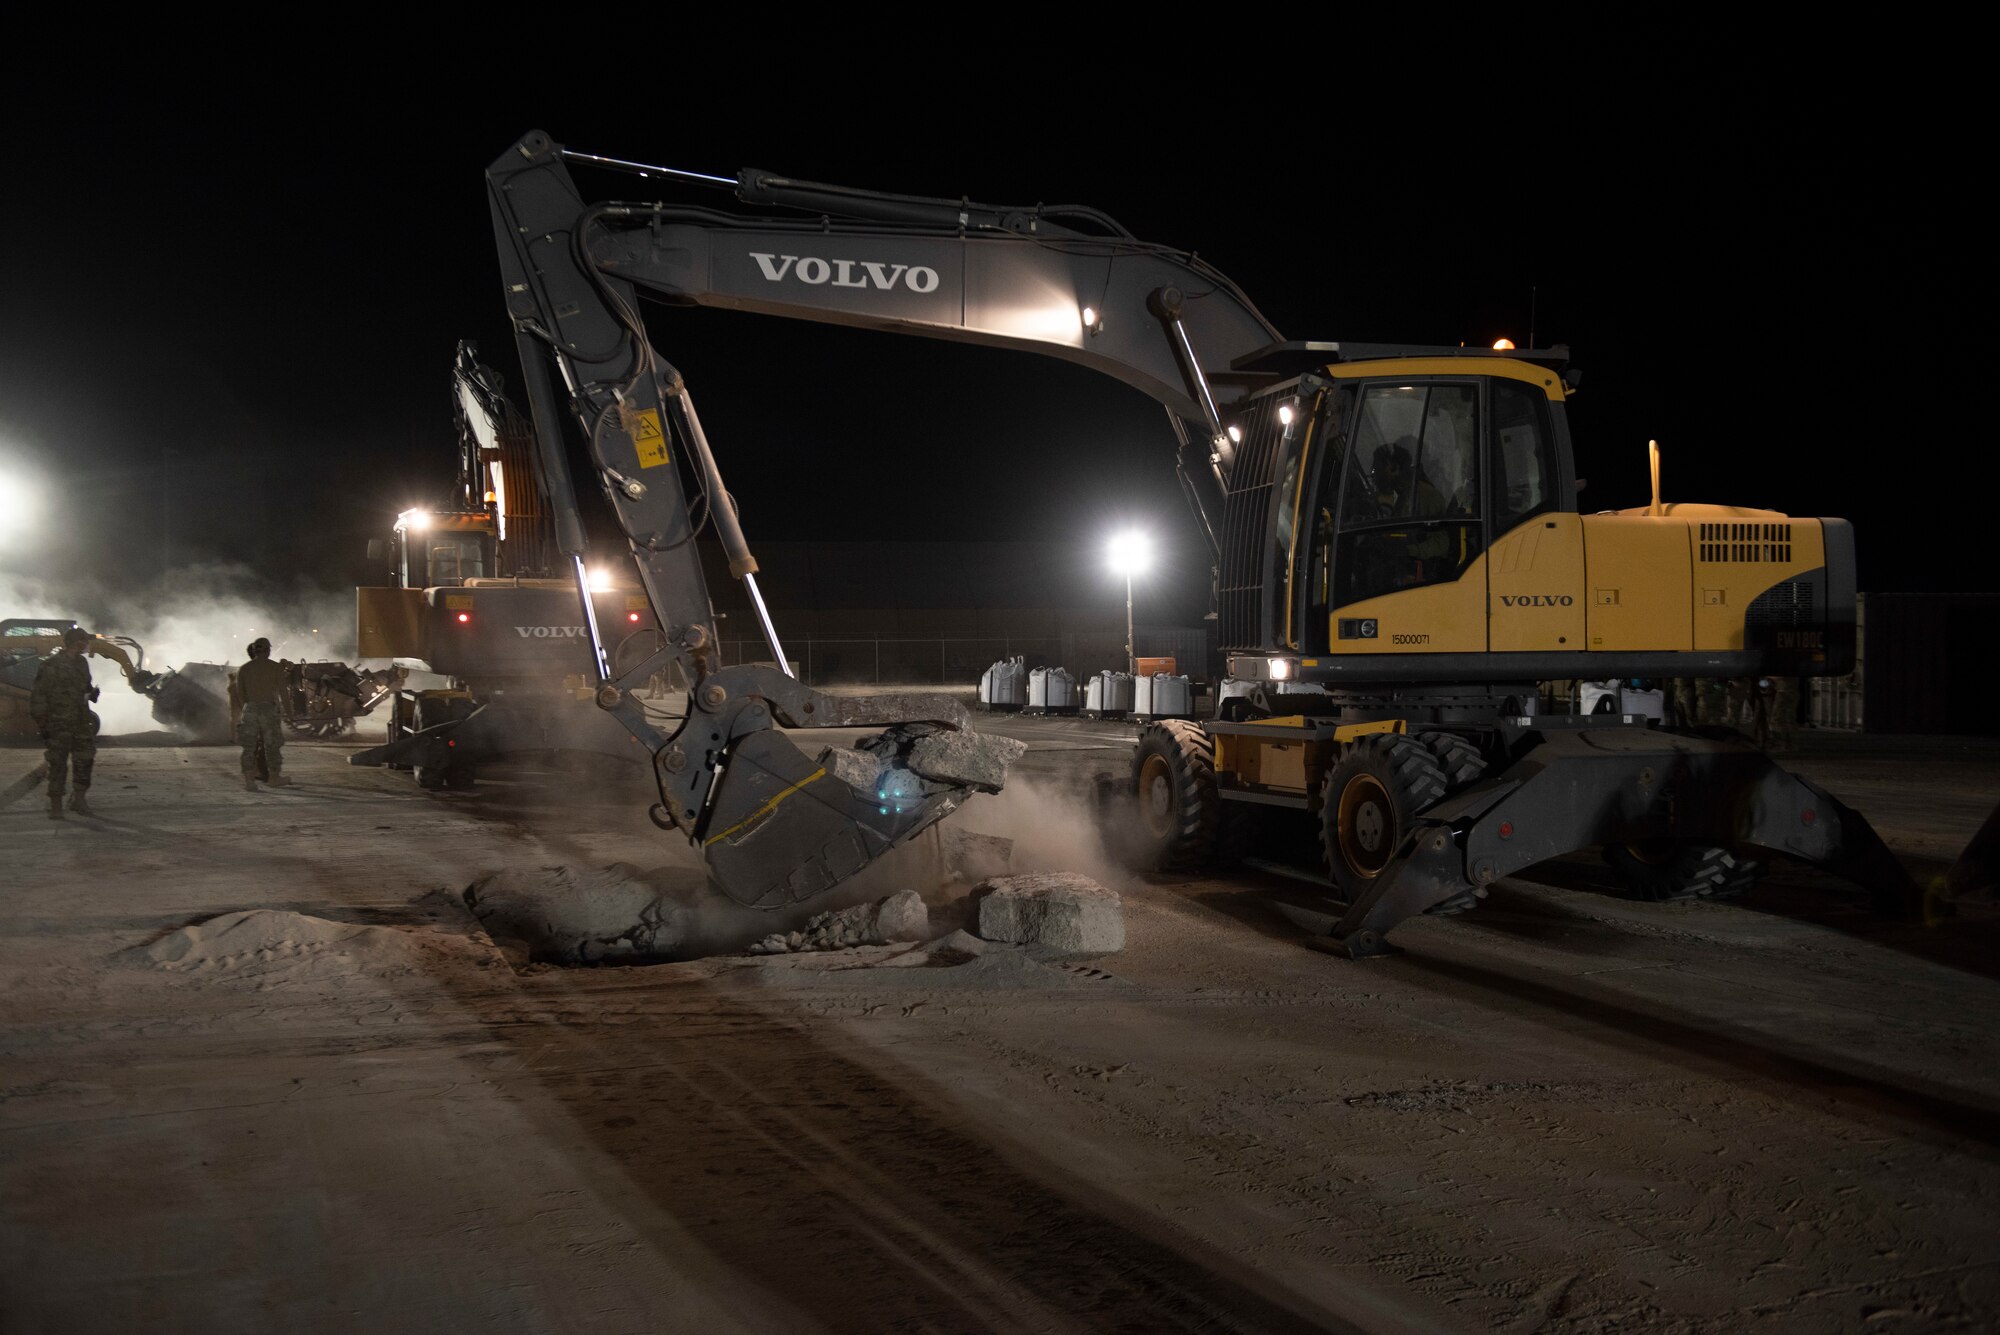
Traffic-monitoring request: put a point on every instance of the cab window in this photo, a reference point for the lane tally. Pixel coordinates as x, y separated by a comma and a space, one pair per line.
1524, 463
1410, 508
457, 559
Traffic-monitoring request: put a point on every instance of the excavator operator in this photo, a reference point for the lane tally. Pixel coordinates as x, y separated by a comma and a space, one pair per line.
1403, 492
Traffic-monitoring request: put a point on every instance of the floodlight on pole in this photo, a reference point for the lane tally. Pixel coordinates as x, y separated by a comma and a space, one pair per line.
1131, 553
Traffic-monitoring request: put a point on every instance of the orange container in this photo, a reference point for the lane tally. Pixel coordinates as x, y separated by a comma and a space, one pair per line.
1153, 667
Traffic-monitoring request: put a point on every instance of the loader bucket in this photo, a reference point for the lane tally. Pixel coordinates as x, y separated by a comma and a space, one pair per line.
194, 700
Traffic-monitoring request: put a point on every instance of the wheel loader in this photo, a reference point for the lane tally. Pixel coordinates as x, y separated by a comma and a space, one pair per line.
1399, 559
471, 600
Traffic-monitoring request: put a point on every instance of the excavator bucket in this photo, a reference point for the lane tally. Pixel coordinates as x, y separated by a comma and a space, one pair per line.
784, 826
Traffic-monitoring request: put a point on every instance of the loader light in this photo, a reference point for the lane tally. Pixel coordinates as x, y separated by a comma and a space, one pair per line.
1280, 668
416, 521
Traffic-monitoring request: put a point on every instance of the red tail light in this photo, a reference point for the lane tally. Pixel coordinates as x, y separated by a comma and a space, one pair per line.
464, 617
631, 616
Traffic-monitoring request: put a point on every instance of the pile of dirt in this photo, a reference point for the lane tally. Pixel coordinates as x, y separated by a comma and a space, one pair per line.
272, 947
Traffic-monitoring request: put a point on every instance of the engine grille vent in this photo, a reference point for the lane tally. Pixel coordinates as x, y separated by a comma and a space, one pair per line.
1751, 543
1787, 606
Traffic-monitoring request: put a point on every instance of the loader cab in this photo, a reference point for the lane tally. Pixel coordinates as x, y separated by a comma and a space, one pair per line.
435, 549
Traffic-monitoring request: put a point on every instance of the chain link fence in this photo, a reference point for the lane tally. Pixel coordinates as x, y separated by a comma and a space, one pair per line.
931, 661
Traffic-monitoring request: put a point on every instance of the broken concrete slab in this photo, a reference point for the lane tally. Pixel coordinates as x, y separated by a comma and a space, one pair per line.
580, 915
864, 711
902, 917
966, 759
925, 759
859, 770
1063, 911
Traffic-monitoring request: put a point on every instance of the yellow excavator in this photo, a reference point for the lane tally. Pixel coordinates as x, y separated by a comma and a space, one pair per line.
1398, 553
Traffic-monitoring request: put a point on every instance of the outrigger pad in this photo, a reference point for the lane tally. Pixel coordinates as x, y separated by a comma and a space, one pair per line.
783, 827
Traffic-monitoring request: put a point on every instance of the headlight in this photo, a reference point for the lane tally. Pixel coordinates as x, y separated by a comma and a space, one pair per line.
1280, 668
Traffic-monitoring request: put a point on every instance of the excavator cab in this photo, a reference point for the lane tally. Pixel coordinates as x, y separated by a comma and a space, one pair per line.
1401, 484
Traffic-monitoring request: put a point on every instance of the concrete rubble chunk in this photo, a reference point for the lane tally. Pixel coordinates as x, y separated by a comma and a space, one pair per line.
1061, 910
901, 917
580, 915
856, 769
862, 711
968, 759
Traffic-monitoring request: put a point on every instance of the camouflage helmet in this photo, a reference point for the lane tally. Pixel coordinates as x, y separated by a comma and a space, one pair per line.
260, 647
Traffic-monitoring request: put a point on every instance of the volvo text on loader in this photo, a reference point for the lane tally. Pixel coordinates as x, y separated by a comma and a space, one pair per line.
1399, 557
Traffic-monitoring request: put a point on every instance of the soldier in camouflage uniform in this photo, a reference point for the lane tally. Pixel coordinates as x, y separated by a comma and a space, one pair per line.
260, 685
60, 707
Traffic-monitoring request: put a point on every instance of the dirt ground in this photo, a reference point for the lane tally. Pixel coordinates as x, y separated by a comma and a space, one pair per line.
1562, 1111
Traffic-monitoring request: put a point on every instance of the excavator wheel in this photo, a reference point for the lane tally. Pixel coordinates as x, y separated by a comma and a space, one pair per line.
1368, 802
1459, 758
1462, 762
1173, 778
1658, 870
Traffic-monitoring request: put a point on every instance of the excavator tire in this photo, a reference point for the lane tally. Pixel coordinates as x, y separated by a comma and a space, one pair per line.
1463, 763
1173, 778
1658, 870
1368, 802
1459, 758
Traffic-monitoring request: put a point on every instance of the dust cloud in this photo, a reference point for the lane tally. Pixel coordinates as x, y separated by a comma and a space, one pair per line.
194, 614
1054, 828
601, 804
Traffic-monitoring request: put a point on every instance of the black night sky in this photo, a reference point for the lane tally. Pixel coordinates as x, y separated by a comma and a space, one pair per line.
230, 312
